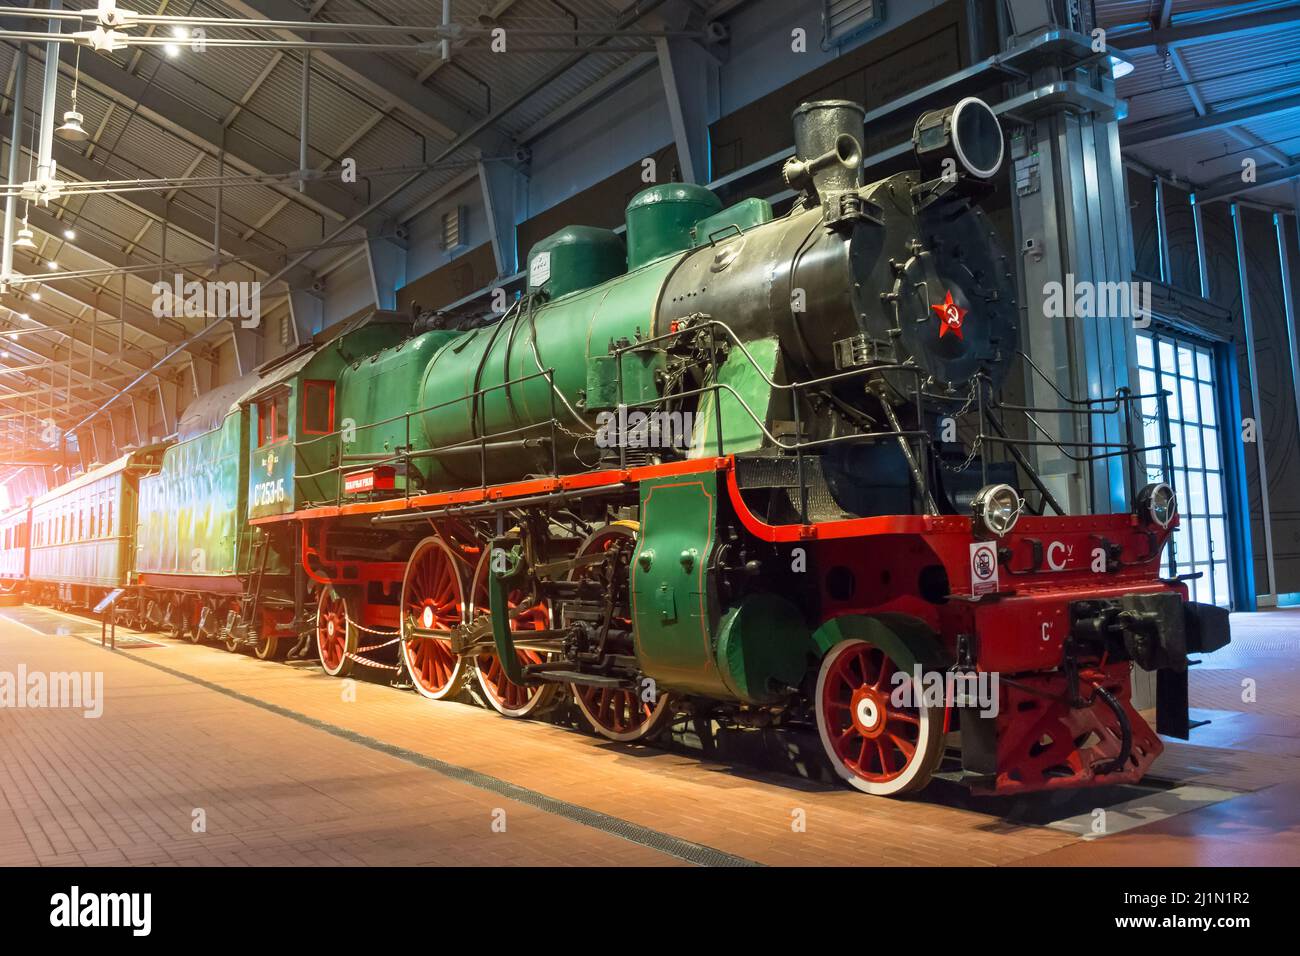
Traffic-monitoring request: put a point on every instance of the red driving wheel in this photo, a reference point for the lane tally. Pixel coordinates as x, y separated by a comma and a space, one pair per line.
433, 599
613, 712
505, 696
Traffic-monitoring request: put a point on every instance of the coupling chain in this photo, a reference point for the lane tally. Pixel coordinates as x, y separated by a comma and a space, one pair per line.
979, 435
395, 635
369, 663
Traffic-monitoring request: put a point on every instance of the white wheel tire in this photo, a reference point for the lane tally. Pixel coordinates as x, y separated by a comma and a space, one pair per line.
350, 639
659, 717
929, 744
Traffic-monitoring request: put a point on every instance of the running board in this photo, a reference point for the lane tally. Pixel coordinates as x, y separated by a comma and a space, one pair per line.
577, 677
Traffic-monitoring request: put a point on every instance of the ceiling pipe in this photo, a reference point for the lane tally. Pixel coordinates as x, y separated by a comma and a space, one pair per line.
304, 109
45, 155
15, 170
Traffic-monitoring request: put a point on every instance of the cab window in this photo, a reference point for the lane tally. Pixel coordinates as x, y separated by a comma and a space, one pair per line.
272, 417
317, 408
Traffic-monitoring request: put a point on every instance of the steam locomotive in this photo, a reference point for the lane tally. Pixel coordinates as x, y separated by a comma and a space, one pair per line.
703, 471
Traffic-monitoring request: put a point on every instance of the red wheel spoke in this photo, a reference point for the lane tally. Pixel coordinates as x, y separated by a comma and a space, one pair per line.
907, 749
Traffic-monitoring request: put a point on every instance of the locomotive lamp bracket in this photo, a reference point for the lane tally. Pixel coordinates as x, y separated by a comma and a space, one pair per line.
956, 187
843, 210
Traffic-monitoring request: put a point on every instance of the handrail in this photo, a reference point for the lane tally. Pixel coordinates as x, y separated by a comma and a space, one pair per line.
718, 332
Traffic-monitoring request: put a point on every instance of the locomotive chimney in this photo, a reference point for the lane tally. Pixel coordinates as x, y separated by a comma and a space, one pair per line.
828, 148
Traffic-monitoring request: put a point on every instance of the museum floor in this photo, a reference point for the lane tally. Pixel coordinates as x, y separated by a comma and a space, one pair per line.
202, 757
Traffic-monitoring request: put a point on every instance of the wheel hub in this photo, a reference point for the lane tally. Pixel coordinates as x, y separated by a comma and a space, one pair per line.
426, 618
869, 708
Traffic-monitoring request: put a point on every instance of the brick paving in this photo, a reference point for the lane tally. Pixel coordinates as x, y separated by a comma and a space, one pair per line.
123, 789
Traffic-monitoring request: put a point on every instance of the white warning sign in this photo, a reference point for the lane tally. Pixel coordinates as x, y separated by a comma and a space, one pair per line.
983, 568
539, 269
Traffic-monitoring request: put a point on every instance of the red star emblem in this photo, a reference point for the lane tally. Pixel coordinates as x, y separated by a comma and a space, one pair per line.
950, 316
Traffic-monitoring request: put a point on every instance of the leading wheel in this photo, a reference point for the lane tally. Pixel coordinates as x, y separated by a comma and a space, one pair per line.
194, 606
504, 695
880, 746
175, 621
336, 635
433, 599
612, 712
270, 646
229, 638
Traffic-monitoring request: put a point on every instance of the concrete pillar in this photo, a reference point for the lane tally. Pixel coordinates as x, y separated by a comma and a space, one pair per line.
307, 306
689, 76
504, 188
1073, 228
387, 260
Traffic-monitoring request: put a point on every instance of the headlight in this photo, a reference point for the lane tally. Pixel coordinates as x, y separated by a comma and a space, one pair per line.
997, 508
1158, 504
968, 133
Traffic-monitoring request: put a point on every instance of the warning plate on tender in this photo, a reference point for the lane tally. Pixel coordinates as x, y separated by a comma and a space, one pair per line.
983, 568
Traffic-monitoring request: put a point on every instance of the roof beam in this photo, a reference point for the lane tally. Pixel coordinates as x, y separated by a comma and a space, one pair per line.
60, 380
383, 81
1164, 130
1154, 39
1245, 137
63, 328
195, 225
167, 108
137, 318
1230, 186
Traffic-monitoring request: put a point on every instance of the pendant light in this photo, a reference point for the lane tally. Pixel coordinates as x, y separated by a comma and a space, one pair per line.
24, 238
72, 131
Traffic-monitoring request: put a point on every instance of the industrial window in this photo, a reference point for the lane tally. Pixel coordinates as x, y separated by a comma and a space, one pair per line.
842, 20
272, 417
453, 228
1185, 369
317, 408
